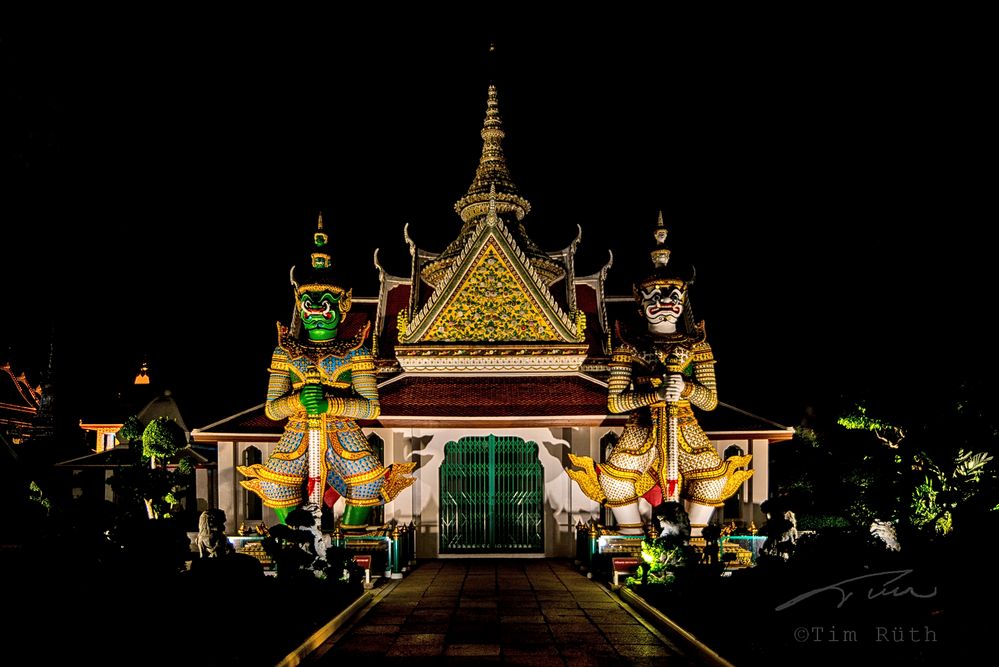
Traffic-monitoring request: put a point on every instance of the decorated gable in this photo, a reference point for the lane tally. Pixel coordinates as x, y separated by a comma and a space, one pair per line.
492, 295
492, 303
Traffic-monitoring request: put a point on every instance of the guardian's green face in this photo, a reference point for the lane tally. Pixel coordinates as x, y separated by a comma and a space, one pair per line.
320, 313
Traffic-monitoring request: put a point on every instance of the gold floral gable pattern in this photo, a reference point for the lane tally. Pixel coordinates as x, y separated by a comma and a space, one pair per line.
492, 304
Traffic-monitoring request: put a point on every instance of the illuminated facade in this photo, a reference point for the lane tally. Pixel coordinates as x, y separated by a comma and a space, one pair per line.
492, 360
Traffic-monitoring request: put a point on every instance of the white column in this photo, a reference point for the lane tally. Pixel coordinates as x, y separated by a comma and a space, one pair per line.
760, 481
108, 492
201, 491
228, 485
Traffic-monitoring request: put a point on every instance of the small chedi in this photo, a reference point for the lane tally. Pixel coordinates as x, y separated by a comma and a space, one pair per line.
659, 375
322, 383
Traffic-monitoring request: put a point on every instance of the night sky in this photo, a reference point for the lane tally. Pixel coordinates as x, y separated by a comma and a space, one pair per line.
828, 182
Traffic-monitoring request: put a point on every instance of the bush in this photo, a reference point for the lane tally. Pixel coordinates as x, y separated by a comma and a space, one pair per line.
162, 439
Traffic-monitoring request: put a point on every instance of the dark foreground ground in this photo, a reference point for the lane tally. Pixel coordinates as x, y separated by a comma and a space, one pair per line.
512, 611
225, 615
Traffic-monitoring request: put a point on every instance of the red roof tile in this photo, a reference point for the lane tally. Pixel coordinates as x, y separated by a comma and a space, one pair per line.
396, 300
586, 301
359, 315
454, 401
437, 397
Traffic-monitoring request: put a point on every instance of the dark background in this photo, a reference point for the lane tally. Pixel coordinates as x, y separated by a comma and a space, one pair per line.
828, 176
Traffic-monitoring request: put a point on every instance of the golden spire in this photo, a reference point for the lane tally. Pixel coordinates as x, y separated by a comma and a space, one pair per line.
491, 196
492, 172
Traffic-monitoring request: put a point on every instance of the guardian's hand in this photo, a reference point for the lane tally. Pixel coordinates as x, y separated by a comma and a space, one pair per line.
313, 399
672, 388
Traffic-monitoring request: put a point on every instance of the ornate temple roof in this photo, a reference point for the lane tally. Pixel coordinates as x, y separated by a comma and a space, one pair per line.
19, 401
480, 335
492, 183
443, 402
491, 279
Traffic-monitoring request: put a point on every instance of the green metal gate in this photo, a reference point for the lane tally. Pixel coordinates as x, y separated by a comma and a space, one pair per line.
492, 496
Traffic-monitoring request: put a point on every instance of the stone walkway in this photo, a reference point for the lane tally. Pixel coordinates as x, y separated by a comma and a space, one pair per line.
513, 611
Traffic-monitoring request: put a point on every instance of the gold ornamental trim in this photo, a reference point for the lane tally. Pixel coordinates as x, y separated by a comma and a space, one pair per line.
254, 486
734, 482
398, 480
258, 471
364, 502
292, 455
586, 478
332, 384
314, 351
491, 351
619, 473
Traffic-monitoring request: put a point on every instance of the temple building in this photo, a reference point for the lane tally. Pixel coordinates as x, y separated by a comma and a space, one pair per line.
25, 409
146, 400
492, 359
19, 403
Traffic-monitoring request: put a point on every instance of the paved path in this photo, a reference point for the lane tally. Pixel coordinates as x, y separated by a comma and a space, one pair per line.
513, 611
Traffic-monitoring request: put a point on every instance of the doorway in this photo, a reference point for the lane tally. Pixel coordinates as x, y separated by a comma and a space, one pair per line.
492, 496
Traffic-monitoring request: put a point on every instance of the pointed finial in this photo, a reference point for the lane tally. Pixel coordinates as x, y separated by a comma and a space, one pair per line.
660, 256
491, 62
321, 219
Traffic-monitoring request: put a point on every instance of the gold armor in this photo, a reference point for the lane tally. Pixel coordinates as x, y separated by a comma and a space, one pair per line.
662, 443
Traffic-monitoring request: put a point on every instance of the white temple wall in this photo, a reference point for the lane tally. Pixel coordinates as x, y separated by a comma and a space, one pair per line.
420, 503
565, 503
749, 507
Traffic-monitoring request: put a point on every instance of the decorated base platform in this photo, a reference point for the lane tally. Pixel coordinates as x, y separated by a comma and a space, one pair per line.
391, 548
604, 554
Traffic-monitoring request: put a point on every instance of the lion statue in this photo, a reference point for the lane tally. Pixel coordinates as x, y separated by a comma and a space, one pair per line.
212, 542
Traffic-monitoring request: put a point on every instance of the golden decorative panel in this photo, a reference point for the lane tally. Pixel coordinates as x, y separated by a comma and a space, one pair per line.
491, 304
